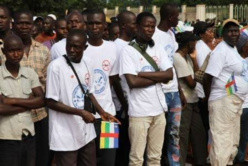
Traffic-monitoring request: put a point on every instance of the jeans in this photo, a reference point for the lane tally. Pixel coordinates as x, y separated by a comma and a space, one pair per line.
173, 118
243, 137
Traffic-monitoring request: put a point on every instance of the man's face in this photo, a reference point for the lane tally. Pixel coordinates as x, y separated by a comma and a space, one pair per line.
75, 21
48, 25
4, 20
146, 28
131, 28
95, 25
114, 33
75, 47
61, 29
174, 17
13, 52
231, 35
23, 25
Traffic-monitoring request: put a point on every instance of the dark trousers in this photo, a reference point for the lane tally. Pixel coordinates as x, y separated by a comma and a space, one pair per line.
42, 148
122, 153
85, 156
203, 106
105, 157
18, 153
192, 129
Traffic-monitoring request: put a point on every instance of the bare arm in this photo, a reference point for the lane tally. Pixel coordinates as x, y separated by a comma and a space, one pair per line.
207, 81
118, 90
60, 107
29, 103
160, 76
134, 81
9, 109
194, 60
190, 81
104, 115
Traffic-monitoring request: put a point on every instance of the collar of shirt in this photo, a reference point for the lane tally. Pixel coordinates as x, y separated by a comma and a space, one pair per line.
6, 73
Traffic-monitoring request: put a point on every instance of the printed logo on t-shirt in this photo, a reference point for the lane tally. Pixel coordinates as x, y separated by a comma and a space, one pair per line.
78, 97
155, 58
87, 78
147, 68
170, 51
106, 65
244, 73
100, 81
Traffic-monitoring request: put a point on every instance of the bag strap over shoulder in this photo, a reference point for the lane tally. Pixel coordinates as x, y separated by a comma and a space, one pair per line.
74, 71
145, 55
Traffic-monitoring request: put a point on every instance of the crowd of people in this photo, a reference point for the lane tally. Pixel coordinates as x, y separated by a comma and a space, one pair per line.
138, 72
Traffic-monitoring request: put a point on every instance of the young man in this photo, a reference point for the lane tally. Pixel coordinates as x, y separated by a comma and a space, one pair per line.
103, 54
20, 91
36, 56
71, 130
225, 64
127, 24
61, 32
74, 21
48, 33
164, 37
146, 99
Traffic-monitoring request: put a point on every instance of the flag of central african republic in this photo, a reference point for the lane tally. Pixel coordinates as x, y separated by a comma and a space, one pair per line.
109, 137
231, 86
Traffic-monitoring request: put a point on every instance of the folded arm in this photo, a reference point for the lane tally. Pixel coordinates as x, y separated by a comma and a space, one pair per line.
159, 76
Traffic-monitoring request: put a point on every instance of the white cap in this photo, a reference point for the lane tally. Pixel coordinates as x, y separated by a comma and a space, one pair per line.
53, 16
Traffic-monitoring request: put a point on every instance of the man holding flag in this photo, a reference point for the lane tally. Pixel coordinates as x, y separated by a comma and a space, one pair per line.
225, 88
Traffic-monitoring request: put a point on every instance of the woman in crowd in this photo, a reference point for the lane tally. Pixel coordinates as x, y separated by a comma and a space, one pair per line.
191, 123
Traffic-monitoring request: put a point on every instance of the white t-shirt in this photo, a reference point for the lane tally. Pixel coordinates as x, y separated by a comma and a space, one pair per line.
184, 68
120, 44
68, 132
202, 51
167, 41
104, 65
58, 49
245, 105
225, 61
149, 101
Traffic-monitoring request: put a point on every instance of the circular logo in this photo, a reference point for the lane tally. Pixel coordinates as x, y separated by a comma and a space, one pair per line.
244, 73
147, 68
87, 78
106, 65
78, 97
169, 49
155, 58
100, 81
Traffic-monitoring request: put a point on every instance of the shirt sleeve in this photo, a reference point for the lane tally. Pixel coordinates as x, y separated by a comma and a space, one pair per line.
114, 70
165, 62
35, 82
53, 83
181, 66
215, 64
128, 62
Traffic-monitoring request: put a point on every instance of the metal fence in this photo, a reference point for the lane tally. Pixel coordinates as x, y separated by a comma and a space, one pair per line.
240, 12
217, 12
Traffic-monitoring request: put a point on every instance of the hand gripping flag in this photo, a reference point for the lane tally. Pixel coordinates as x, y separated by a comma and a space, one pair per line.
109, 137
231, 86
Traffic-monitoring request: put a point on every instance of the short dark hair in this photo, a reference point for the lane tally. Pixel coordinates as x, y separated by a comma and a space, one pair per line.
122, 16
96, 11
59, 20
167, 9
142, 15
19, 12
6, 8
77, 32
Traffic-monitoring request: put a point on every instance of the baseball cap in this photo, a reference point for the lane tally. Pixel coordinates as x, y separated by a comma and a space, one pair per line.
230, 20
201, 27
241, 42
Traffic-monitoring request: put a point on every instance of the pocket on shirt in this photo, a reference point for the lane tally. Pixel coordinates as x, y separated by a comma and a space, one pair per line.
7, 93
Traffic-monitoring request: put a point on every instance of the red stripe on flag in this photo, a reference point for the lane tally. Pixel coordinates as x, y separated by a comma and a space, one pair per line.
230, 84
111, 135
